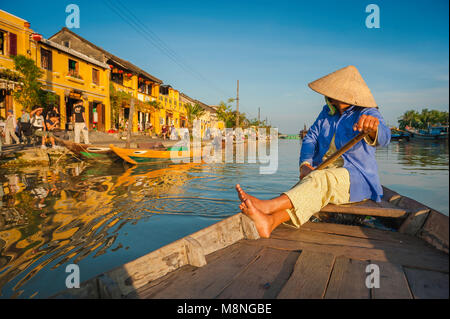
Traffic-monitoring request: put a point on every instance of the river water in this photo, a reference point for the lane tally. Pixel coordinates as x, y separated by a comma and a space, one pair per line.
100, 216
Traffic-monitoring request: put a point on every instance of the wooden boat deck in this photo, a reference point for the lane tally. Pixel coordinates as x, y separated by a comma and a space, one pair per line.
318, 260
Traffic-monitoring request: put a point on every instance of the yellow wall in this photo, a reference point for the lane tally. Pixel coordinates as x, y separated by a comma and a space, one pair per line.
12, 24
59, 81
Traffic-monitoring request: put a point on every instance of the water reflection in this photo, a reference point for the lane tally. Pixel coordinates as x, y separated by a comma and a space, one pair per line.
66, 214
428, 155
51, 216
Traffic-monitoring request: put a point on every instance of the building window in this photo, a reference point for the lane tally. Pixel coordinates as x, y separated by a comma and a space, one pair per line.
73, 68
46, 59
12, 44
95, 76
2, 43
66, 44
117, 78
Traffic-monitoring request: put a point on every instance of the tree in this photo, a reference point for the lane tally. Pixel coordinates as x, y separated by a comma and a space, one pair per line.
225, 114
193, 112
117, 100
424, 119
30, 92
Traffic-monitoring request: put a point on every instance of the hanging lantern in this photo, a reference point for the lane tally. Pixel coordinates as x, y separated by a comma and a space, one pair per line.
147, 82
120, 71
36, 37
129, 75
111, 66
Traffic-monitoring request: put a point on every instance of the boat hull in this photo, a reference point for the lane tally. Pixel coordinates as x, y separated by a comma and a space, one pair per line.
89, 152
147, 156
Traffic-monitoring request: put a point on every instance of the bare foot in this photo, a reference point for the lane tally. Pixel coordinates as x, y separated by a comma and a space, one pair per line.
263, 222
259, 204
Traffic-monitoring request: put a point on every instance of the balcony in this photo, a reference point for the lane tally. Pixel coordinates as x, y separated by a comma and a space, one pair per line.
74, 76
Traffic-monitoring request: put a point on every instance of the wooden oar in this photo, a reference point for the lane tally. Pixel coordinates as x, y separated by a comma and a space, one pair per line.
341, 151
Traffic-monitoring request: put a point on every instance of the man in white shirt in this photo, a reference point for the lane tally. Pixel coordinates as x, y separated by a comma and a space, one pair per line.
80, 123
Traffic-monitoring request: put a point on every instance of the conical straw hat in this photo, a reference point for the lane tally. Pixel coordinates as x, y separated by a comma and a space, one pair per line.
345, 85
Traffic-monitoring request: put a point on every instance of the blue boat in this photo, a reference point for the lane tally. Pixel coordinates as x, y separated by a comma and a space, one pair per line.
431, 133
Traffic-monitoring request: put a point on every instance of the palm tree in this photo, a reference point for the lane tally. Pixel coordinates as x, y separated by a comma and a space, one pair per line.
193, 112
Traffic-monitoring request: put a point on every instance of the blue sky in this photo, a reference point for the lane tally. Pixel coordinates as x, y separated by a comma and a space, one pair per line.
274, 48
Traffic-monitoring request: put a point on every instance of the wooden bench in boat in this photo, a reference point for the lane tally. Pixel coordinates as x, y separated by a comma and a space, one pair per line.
319, 260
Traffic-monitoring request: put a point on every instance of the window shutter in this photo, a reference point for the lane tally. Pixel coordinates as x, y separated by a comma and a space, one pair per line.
50, 62
12, 44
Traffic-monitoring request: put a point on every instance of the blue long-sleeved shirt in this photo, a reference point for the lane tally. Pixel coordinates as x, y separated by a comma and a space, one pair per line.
359, 160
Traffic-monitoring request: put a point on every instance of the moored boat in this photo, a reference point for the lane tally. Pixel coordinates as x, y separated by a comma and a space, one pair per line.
397, 134
319, 260
88, 152
431, 133
142, 156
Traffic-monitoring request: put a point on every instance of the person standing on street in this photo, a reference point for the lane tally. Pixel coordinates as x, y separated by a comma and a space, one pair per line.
10, 128
79, 119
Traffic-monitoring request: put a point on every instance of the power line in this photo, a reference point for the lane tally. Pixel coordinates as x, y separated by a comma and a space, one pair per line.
129, 18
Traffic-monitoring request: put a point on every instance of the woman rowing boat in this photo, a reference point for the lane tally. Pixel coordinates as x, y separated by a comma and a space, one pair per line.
350, 109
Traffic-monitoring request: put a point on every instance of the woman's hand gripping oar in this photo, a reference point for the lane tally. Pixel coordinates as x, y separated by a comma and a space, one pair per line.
308, 168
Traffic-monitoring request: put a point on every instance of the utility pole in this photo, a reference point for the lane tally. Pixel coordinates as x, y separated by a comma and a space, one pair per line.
237, 105
259, 115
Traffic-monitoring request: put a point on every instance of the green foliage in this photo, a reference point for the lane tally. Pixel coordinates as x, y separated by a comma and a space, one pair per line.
193, 112
117, 100
424, 119
10, 75
30, 92
225, 114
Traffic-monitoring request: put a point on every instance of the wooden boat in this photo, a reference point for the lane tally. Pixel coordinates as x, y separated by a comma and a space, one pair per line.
88, 152
432, 133
142, 156
318, 260
397, 134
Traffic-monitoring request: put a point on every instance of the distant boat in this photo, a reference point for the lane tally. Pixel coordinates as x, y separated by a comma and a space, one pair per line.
431, 133
303, 132
397, 134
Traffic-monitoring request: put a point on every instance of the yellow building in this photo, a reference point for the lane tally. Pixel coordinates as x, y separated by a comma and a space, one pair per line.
209, 118
14, 39
125, 77
74, 77
69, 74
173, 111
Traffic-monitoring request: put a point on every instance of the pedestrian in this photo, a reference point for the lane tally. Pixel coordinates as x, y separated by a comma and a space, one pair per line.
80, 126
38, 123
25, 126
51, 124
10, 128
350, 109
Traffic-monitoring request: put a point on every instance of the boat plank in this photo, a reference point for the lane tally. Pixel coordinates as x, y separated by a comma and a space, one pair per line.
393, 283
264, 278
361, 232
310, 276
348, 280
203, 282
306, 235
382, 209
430, 260
435, 231
427, 284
